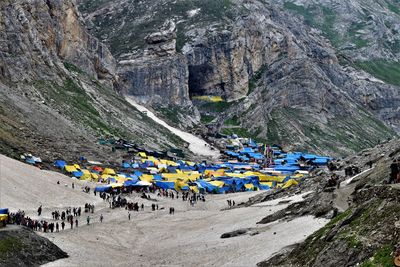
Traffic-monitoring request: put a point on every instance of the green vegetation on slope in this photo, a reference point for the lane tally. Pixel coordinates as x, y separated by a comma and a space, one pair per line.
386, 71
338, 135
9, 245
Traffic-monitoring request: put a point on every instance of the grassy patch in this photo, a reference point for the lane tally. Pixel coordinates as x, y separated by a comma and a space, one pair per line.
72, 68
381, 258
205, 119
385, 70
301, 10
232, 121
9, 245
216, 106
392, 7
170, 113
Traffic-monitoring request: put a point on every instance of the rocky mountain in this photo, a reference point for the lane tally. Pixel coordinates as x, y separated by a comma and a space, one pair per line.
289, 72
57, 86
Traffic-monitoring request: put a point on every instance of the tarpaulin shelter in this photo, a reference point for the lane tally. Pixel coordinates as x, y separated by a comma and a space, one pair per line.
165, 185
97, 169
109, 171
70, 168
102, 188
60, 164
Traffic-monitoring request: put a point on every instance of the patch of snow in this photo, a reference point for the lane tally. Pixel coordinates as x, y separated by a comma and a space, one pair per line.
196, 145
193, 12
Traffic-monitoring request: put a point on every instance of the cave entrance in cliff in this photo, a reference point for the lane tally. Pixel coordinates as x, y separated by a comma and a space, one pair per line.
196, 81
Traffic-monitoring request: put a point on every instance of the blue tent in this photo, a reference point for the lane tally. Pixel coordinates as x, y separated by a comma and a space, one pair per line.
165, 185
60, 164
137, 173
130, 183
263, 187
135, 165
30, 160
157, 177
125, 165
246, 150
102, 188
171, 169
3, 211
252, 143
77, 174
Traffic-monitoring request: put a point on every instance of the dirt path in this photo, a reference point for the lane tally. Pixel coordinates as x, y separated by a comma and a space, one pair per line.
346, 189
196, 144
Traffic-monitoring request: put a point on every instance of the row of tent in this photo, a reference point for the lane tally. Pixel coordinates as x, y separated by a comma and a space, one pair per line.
228, 176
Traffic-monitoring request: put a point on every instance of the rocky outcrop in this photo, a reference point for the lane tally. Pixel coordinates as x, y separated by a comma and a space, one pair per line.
222, 62
22, 247
159, 75
161, 81
48, 32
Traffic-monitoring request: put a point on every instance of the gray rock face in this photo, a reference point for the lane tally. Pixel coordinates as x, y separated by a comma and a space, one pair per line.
221, 63
159, 81
49, 31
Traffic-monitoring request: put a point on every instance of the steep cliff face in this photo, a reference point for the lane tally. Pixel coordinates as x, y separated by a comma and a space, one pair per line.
283, 80
55, 79
48, 32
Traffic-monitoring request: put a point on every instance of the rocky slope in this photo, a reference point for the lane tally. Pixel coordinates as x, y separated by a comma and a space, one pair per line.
22, 247
56, 81
283, 79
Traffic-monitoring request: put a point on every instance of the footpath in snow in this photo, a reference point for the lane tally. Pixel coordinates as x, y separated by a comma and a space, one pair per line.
196, 145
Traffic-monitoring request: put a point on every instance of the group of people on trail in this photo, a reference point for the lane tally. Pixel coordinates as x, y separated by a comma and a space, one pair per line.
231, 203
395, 171
89, 208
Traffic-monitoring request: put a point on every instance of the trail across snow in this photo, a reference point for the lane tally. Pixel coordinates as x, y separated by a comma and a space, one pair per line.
196, 144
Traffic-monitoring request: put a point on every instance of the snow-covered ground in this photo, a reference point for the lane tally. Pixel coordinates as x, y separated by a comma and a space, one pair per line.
191, 237
196, 144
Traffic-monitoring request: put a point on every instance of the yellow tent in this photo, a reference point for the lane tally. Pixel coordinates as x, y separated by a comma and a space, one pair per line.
217, 173
249, 186
116, 185
142, 154
194, 189
3, 217
146, 177
105, 176
77, 166
109, 171
290, 183
217, 183
86, 175
272, 178
171, 163
180, 184
121, 179
70, 168
95, 176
